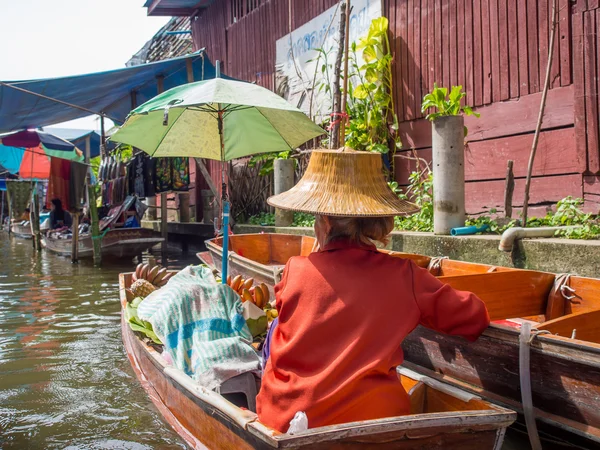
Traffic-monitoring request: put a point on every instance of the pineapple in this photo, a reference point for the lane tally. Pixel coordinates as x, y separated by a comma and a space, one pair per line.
142, 288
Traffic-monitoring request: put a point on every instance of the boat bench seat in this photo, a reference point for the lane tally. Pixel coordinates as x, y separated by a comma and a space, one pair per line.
242, 385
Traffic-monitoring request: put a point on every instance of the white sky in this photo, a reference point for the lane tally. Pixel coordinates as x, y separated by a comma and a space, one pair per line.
45, 38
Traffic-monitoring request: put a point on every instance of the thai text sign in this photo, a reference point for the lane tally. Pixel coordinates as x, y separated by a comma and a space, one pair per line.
305, 57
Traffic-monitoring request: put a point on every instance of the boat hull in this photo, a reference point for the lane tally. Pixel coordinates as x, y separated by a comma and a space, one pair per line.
565, 374
119, 243
21, 231
204, 419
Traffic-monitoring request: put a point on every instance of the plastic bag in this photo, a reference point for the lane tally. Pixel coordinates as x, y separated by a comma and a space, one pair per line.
299, 423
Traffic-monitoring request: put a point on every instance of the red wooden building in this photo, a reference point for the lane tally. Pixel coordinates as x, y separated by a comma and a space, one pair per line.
496, 49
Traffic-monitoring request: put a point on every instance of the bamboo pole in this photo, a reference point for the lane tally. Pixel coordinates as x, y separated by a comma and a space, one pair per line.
336, 118
35, 220
508, 190
2, 211
10, 212
538, 127
163, 228
96, 240
345, 90
75, 238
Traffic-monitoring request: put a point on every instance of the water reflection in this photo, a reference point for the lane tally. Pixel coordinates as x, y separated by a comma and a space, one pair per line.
65, 381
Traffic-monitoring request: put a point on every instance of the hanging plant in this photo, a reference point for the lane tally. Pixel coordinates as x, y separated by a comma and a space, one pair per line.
372, 124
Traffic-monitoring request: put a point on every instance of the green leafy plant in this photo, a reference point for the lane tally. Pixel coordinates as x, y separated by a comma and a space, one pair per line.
419, 191
267, 161
444, 104
268, 219
373, 123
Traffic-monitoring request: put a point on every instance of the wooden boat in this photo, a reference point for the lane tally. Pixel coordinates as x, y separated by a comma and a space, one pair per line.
564, 312
117, 243
442, 417
21, 231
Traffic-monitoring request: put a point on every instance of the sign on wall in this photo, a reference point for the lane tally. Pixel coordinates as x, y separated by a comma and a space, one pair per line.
305, 57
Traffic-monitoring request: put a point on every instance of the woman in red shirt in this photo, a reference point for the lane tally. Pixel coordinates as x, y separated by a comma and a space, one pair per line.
345, 309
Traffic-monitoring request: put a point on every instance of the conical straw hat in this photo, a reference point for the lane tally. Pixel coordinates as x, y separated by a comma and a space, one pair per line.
343, 183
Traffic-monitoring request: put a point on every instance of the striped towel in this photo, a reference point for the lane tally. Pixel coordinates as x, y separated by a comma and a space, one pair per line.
202, 327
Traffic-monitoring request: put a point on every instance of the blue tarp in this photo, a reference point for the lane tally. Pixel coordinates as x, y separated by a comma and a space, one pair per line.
78, 138
2, 185
11, 157
106, 92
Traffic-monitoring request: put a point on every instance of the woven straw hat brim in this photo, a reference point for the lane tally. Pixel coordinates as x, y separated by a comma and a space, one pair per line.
346, 184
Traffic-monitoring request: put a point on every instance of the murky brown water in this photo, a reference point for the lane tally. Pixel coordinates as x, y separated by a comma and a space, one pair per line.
65, 381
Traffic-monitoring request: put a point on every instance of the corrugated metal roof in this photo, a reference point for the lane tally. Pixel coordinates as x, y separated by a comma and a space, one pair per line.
175, 7
164, 45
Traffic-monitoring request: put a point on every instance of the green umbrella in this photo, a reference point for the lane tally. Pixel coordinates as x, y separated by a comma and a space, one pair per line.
217, 119
184, 121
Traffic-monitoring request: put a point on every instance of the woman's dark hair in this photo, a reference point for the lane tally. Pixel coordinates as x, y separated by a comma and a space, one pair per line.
57, 203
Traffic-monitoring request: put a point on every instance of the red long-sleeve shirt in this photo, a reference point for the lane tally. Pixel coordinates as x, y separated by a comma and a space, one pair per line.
343, 314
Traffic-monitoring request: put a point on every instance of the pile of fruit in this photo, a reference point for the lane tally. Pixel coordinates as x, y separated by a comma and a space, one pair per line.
146, 279
258, 295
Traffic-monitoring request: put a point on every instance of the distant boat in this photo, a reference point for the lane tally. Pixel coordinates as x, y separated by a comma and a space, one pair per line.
21, 231
441, 416
117, 243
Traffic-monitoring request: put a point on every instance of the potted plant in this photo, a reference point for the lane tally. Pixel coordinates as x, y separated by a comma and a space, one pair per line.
448, 133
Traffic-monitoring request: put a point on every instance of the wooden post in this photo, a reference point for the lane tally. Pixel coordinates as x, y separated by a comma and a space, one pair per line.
88, 149
184, 207
75, 239
35, 220
190, 70
209, 180
96, 241
10, 213
2, 211
509, 188
164, 228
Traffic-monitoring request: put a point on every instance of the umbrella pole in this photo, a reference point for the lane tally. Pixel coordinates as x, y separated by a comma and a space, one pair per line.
225, 203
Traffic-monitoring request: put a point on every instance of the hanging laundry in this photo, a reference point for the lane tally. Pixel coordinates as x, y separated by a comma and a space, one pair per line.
19, 193
58, 184
181, 174
149, 182
172, 174
163, 175
77, 185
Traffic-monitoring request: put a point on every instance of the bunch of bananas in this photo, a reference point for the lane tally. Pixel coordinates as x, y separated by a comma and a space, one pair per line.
259, 295
146, 279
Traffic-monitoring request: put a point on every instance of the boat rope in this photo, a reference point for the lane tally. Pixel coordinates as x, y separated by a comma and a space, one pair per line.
435, 264
525, 339
101, 236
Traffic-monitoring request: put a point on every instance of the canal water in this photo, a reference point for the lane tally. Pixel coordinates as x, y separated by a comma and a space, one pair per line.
65, 381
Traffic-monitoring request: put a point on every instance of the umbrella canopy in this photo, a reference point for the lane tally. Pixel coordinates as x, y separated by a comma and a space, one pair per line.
34, 162
35, 138
216, 119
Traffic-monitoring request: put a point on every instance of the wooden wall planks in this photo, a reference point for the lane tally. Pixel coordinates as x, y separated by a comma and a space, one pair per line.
496, 49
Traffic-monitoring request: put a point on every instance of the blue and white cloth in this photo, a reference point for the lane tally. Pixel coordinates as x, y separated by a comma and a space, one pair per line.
202, 327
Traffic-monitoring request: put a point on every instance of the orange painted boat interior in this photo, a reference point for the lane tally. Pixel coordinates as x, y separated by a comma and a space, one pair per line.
565, 306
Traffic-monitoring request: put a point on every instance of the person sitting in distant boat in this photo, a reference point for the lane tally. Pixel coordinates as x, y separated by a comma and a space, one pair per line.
59, 218
26, 216
345, 309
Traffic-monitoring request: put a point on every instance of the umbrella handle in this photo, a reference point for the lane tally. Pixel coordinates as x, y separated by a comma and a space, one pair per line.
225, 258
